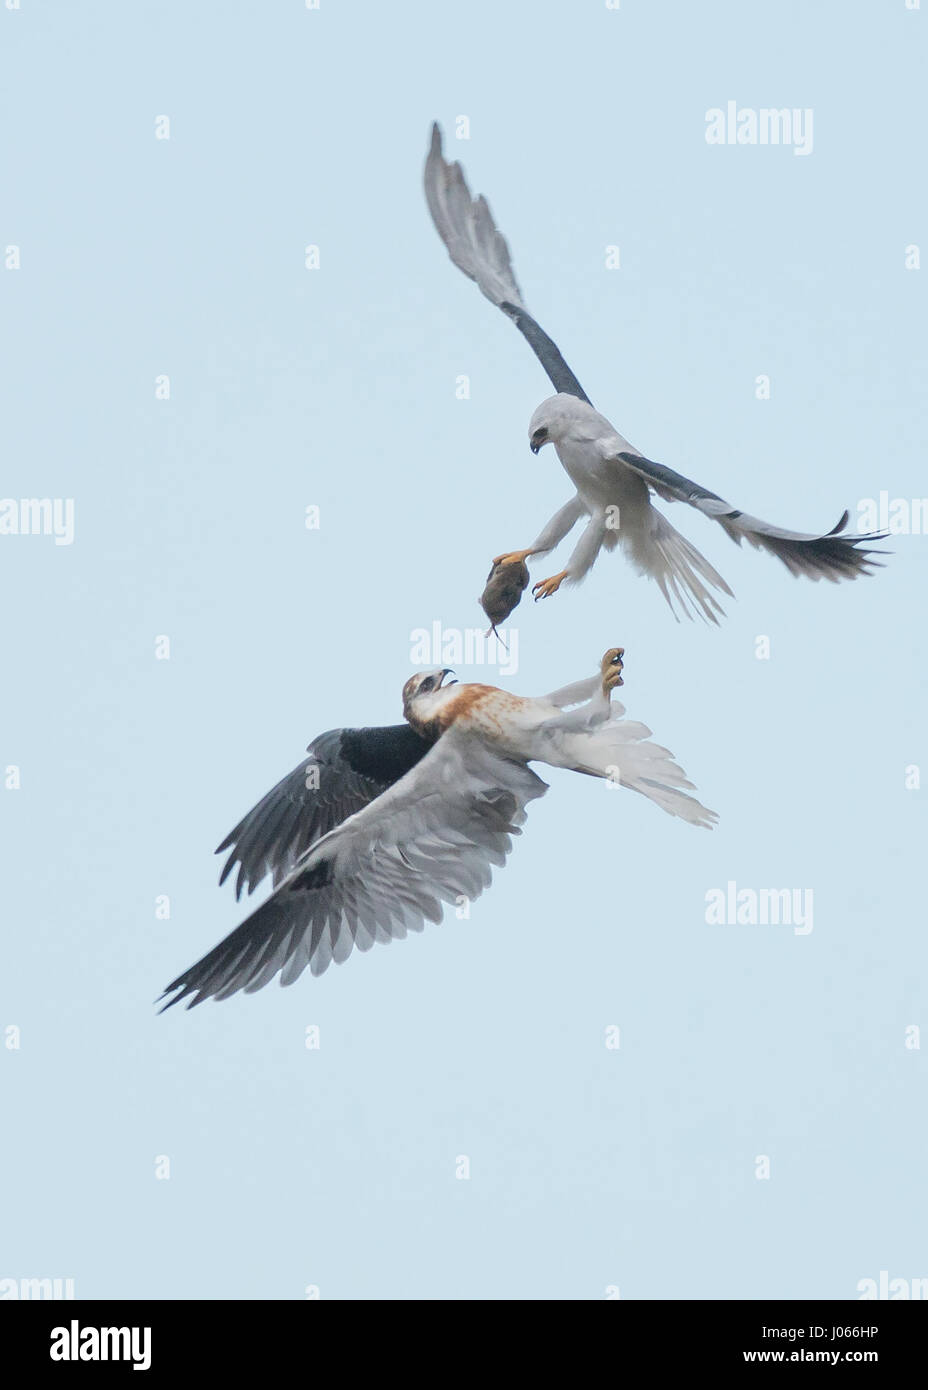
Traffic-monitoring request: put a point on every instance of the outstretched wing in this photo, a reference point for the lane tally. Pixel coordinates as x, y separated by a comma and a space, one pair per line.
832, 556
432, 837
345, 771
478, 247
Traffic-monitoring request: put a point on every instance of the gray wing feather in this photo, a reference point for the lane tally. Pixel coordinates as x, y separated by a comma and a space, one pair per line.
478, 248
467, 228
432, 837
313, 799
831, 556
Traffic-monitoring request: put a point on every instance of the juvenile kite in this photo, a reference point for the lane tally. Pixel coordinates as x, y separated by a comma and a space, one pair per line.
613, 481
378, 827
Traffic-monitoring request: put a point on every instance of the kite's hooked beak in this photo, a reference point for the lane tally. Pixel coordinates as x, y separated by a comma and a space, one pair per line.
446, 671
538, 438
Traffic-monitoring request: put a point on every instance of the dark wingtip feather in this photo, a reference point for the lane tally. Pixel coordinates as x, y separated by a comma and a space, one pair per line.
171, 1002
833, 556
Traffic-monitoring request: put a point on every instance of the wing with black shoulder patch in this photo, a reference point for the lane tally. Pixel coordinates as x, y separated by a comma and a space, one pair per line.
834, 555
345, 771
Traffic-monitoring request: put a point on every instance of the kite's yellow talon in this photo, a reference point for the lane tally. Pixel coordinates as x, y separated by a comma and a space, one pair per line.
546, 587
512, 557
611, 667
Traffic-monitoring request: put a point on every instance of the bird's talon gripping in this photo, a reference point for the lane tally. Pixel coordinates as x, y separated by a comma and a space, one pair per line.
611, 666
546, 587
512, 557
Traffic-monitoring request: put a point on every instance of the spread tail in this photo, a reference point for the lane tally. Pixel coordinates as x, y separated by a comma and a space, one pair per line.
621, 751
679, 570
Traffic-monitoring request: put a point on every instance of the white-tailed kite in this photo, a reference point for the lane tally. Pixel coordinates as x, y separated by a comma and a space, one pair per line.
378, 827
613, 481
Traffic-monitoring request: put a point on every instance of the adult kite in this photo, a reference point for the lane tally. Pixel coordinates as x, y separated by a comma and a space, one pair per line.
613, 481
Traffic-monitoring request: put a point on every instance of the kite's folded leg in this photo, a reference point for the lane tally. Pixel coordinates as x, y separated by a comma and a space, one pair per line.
587, 716
555, 531
592, 697
577, 693
581, 562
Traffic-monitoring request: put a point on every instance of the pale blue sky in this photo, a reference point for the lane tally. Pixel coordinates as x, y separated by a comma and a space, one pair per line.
589, 1167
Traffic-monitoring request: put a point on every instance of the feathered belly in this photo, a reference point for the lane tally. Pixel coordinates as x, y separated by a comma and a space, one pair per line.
508, 722
603, 483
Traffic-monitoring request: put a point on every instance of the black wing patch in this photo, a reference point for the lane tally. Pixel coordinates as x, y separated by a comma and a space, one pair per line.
547, 352
346, 769
832, 556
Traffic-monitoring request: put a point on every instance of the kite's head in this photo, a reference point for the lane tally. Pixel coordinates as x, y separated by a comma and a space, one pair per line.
611, 668
423, 696
560, 416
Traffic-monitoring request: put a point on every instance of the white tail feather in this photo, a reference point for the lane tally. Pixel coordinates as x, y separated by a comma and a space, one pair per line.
679, 570
620, 751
